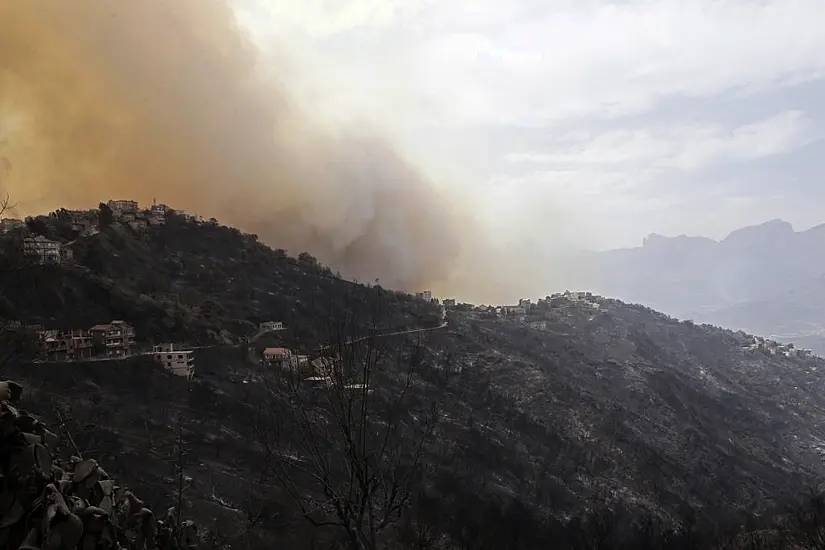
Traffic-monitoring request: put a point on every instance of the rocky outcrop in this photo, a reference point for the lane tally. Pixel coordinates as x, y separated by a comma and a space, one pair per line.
46, 503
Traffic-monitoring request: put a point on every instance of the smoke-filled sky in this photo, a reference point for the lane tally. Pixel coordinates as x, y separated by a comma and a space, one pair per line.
664, 116
455, 144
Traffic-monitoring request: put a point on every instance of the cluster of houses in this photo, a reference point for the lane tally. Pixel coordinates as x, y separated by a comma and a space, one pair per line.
130, 213
115, 339
534, 315
772, 347
85, 223
317, 374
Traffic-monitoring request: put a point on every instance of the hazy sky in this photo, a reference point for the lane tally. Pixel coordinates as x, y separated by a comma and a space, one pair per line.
593, 121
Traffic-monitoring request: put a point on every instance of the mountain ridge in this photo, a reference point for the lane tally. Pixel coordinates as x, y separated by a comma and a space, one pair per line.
753, 268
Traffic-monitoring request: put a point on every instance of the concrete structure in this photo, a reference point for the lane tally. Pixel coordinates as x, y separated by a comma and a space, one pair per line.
537, 325
177, 361
117, 338
449, 302
279, 356
121, 207
65, 345
42, 250
158, 209
271, 326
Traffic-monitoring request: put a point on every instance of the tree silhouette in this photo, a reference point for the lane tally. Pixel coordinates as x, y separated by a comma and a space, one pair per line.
105, 216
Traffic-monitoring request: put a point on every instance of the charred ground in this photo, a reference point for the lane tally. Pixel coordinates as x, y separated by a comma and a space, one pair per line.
605, 427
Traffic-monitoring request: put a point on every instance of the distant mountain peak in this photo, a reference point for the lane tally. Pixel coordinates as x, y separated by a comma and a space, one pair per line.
655, 239
768, 230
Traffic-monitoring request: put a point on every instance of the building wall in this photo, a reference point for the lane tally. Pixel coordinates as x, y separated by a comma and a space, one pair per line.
56, 345
117, 338
178, 362
122, 206
42, 250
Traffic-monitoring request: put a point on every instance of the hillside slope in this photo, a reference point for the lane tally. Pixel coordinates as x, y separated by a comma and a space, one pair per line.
793, 316
615, 407
196, 282
665, 413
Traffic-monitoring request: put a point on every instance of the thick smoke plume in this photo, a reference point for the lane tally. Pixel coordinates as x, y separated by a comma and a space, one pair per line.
154, 98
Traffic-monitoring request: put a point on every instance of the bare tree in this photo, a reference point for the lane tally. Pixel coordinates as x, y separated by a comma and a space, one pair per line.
4, 204
346, 444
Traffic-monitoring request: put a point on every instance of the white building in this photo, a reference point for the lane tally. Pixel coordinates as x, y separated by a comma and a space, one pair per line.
178, 362
271, 326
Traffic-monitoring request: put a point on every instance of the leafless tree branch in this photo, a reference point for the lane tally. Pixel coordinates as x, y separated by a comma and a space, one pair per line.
348, 454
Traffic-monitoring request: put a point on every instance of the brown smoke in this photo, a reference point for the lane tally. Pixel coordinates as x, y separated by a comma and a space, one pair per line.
138, 99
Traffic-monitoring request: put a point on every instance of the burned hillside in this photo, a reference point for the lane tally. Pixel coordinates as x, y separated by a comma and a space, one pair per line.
184, 280
569, 423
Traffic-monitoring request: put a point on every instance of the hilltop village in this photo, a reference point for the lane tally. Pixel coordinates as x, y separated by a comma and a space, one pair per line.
34, 241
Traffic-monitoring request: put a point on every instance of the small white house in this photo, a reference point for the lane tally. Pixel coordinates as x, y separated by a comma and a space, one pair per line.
271, 326
178, 362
